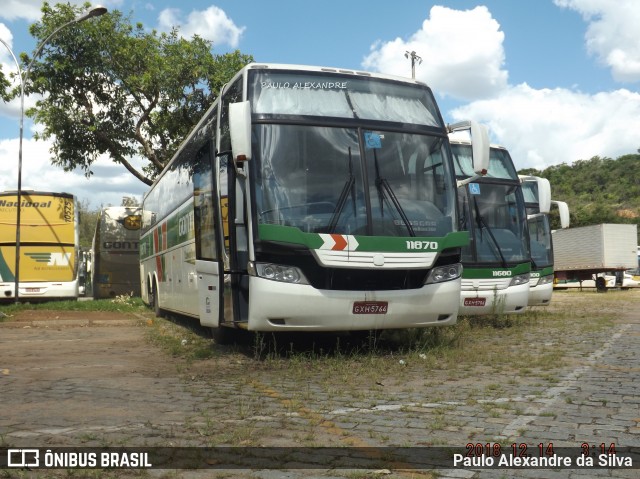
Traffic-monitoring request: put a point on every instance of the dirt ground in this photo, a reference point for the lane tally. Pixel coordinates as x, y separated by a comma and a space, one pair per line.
47, 315
97, 379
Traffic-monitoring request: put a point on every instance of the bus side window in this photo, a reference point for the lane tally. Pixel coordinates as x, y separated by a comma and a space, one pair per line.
233, 94
204, 211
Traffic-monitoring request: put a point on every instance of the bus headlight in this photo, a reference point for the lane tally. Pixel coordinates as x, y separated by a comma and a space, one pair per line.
440, 274
545, 279
277, 272
519, 279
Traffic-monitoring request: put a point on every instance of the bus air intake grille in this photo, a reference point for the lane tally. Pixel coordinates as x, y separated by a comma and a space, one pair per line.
360, 259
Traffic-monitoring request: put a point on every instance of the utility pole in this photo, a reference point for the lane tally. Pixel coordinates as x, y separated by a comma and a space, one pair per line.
414, 57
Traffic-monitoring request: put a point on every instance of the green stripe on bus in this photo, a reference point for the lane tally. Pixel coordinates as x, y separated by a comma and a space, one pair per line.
544, 271
179, 230
5, 271
390, 244
495, 272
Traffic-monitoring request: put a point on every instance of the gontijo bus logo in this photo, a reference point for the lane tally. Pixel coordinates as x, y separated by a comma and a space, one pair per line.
131, 222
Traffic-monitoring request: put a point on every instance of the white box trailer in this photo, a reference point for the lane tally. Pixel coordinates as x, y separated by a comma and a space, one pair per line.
586, 253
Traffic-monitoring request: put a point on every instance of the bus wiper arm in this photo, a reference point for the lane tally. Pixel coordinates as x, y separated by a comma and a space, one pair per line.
383, 185
348, 188
481, 223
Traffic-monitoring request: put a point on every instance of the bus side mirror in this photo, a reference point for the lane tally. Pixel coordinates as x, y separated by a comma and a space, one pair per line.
240, 129
480, 148
479, 144
544, 195
563, 210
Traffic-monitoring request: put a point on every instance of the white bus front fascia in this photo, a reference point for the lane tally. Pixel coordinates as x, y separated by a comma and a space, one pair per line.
540, 294
277, 306
513, 299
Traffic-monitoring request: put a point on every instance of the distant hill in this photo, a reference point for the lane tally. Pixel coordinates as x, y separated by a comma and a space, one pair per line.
599, 190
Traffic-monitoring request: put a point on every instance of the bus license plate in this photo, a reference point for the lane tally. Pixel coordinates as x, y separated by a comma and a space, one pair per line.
475, 301
370, 307
33, 290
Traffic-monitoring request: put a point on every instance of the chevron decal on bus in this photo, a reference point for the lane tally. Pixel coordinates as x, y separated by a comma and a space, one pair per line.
51, 259
336, 242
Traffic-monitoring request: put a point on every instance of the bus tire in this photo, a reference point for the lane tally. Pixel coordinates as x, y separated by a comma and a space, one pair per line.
221, 335
155, 302
601, 285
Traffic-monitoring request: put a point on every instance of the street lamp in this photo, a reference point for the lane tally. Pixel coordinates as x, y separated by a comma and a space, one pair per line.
94, 12
414, 57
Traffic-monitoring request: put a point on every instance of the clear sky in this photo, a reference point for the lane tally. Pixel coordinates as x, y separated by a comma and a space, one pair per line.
554, 80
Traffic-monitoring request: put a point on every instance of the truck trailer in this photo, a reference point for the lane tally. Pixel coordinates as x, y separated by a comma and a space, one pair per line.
585, 255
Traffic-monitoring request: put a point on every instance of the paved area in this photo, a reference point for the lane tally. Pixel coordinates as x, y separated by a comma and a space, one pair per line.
103, 383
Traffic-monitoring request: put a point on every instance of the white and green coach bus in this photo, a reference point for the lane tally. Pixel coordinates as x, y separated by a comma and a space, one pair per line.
537, 197
309, 199
497, 260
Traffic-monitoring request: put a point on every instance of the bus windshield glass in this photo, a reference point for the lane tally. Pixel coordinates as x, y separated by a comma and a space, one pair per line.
313, 94
530, 193
352, 181
495, 215
540, 239
500, 163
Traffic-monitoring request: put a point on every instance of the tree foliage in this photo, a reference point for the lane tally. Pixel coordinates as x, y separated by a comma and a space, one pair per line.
87, 221
4, 86
111, 87
599, 190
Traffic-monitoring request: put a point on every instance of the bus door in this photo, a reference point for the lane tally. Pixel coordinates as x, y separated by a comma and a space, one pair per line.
236, 253
208, 261
232, 181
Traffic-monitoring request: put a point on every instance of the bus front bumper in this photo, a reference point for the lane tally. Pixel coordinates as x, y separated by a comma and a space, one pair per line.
540, 295
513, 299
38, 290
277, 306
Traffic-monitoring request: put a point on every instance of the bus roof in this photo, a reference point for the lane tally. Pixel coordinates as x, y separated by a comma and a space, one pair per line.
321, 69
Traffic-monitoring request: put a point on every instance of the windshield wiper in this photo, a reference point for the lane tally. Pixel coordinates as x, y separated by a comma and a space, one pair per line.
383, 185
481, 222
346, 190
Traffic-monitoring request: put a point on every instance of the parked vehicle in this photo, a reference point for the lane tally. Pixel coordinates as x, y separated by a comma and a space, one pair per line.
309, 199
537, 197
497, 261
116, 255
589, 253
48, 245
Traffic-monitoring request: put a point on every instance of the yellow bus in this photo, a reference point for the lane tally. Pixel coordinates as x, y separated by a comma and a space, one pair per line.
48, 245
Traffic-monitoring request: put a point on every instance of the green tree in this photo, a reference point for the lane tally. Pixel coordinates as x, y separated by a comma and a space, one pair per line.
4, 87
87, 221
110, 87
598, 190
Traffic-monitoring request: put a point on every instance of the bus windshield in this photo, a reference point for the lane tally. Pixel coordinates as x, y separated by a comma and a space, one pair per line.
500, 163
540, 239
313, 94
494, 214
352, 181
